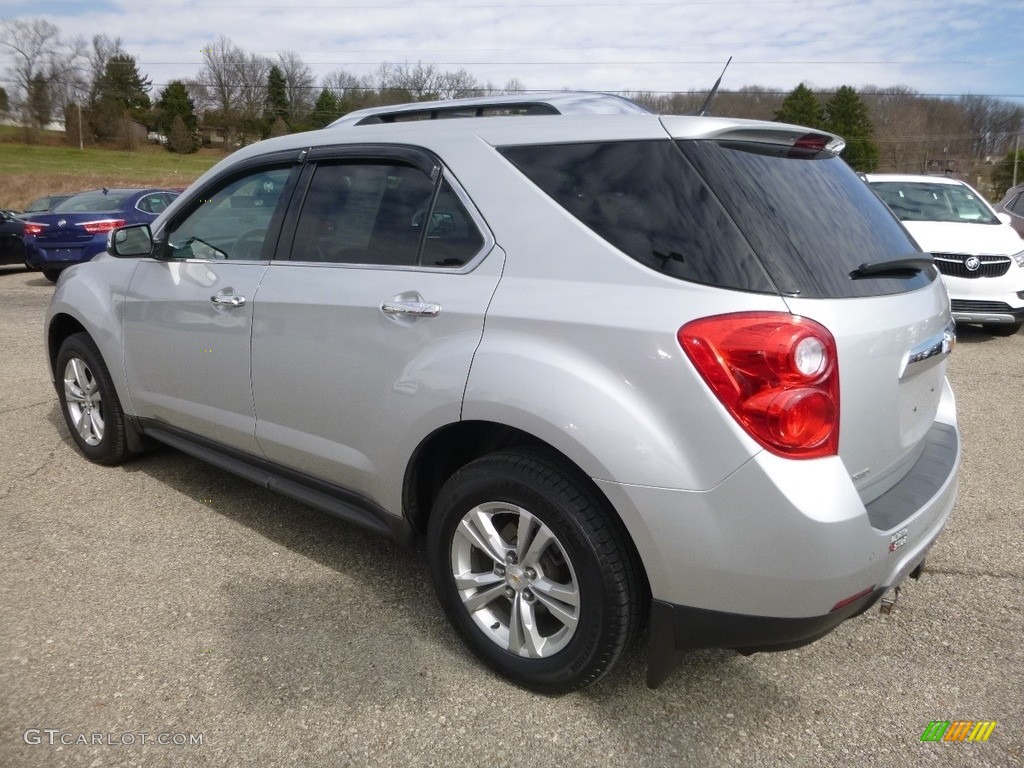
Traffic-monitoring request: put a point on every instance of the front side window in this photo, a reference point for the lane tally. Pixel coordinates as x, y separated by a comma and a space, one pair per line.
231, 223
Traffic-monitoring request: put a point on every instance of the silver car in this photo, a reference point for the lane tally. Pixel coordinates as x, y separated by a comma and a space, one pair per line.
619, 369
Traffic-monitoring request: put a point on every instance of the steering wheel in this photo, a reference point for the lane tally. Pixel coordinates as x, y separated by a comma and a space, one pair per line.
249, 245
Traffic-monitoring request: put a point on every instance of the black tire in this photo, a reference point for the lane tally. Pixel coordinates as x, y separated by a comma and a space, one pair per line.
51, 274
1003, 329
89, 401
588, 561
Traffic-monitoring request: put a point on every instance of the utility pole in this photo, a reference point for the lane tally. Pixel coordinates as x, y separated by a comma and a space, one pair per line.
1016, 157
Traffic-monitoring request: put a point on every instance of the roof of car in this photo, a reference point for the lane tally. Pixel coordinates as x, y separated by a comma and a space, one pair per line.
913, 177
529, 104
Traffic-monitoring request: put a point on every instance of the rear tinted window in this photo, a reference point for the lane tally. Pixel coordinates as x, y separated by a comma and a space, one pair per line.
810, 219
92, 202
645, 198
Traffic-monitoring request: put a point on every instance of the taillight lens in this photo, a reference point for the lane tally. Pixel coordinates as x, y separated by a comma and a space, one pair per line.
101, 226
31, 228
777, 374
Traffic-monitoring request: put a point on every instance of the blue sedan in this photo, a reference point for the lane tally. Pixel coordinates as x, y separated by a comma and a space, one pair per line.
76, 229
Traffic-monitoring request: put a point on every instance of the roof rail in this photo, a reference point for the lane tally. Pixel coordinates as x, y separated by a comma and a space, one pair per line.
553, 103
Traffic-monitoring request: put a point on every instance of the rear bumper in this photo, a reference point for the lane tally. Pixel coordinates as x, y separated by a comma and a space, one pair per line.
678, 629
767, 561
59, 257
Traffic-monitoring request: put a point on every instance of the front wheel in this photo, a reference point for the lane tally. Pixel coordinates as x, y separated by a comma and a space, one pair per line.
534, 571
51, 274
89, 401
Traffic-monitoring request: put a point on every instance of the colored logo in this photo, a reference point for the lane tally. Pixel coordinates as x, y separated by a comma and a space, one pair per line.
958, 730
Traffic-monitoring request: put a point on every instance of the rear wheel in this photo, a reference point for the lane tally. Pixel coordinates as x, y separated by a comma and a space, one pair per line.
51, 274
89, 401
533, 570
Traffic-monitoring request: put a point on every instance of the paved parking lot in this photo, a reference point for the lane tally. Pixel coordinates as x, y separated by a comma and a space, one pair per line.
165, 613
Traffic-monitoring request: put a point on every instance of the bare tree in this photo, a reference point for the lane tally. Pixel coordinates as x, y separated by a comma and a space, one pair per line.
39, 55
900, 117
104, 48
300, 84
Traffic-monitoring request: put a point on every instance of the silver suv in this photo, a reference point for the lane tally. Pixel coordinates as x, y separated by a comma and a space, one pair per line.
619, 369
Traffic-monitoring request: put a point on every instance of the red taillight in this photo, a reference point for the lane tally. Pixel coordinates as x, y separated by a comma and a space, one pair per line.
777, 374
101, 226
31, 228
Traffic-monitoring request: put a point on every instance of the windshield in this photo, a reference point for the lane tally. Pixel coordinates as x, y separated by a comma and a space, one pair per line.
92, 202
922, 201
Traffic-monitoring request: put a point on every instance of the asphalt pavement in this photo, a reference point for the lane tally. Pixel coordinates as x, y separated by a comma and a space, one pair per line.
165, 613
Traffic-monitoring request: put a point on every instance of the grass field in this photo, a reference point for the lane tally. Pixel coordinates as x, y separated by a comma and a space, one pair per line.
28, 171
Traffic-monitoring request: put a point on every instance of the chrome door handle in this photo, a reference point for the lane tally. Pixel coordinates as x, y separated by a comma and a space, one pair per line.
228, 299
410, 308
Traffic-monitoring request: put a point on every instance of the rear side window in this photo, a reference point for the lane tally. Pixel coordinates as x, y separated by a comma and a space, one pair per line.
811, 220
646, 199
371, 212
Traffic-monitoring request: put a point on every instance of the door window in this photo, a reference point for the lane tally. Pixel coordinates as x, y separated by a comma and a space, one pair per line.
382, 214
231, 223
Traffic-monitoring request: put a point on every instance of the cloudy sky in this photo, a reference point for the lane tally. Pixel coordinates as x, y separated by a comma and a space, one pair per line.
947, 47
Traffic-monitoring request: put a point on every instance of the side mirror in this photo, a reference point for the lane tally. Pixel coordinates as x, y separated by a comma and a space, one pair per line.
134, 240
1004, 217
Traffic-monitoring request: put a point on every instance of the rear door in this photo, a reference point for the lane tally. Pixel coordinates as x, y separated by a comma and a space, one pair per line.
365, 326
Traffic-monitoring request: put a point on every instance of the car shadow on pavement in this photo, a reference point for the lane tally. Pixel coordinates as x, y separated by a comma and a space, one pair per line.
973, 334
302, 607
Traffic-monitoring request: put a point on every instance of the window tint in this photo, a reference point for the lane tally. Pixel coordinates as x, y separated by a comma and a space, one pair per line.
1017, 205
810, 218
363, 213
97, 201
154, 203
644, 198
231, 223
452, 237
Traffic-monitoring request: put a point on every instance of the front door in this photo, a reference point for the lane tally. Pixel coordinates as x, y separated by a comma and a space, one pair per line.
188, 312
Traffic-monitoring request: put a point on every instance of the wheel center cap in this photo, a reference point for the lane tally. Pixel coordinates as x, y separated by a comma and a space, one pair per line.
515, 576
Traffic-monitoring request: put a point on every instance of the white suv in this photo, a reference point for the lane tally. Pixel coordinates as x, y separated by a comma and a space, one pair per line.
980, 256
616, 367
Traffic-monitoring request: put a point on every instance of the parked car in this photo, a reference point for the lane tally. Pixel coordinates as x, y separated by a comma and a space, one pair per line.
981, 258
12, 250
1012, 205
615, 367
76, 229
45, 203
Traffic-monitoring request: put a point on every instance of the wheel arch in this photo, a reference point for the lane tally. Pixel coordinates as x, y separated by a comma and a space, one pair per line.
446, 450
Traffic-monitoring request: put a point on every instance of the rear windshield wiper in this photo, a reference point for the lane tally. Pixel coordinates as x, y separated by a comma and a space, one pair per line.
902, 267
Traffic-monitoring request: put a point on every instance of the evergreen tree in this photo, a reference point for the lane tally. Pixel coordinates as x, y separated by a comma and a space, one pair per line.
326, 110
801, 107
277, 96
121, 91
40, 104
174, 103
179, 138
5, 104
122, 83
846, 115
